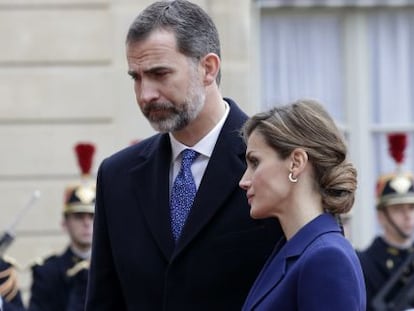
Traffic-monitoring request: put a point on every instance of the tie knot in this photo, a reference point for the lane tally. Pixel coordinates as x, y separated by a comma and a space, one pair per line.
188, 156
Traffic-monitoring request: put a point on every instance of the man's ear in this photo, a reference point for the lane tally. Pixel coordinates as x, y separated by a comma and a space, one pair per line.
381, 218
64, 224
211, 66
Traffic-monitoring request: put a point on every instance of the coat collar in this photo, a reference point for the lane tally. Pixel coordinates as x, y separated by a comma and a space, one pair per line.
277, 264
224, 170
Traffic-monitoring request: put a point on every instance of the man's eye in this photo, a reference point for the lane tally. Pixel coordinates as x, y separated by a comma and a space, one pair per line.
133, 76
160, 73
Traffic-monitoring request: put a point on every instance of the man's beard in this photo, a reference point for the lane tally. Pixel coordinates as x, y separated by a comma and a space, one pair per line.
177, 116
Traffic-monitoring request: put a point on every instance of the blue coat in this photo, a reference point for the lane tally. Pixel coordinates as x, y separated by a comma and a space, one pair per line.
316, 270
135, 262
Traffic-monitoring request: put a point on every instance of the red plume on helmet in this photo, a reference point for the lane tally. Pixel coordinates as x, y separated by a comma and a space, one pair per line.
85, 152
397, 142
80, 196
397, 187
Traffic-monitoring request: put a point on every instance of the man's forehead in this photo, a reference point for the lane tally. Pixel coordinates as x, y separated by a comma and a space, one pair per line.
160, 38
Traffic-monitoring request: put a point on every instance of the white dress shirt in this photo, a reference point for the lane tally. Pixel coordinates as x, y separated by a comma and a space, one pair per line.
204, 147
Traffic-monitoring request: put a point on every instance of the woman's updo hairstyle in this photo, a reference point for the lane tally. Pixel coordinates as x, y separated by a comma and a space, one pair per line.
306, 124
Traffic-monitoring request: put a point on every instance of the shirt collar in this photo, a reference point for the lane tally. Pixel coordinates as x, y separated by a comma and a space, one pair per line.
206, 145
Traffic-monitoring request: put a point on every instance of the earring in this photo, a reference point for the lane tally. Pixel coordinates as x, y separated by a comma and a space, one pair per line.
291, 178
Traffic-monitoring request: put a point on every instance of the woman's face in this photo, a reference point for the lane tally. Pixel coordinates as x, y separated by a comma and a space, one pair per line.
265, 179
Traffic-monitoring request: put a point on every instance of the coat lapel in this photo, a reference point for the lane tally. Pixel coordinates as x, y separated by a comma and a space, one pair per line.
154, 200
221, 178
271, 274
276, 267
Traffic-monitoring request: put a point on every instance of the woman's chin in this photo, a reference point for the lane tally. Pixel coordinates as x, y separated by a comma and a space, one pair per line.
254, 214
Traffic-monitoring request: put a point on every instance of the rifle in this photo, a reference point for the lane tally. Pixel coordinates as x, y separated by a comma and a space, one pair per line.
9, 234
397, 294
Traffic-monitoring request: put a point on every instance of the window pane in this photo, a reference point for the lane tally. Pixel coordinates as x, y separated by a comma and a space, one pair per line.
391, 41
301, 57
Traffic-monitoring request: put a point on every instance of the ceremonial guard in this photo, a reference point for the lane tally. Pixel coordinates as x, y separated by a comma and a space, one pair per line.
9, 290
388, 262
59, 282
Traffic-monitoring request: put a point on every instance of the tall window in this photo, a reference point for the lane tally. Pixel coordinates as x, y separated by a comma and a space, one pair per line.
358, 61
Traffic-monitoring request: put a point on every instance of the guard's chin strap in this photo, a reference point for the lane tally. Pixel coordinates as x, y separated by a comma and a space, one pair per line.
396, 228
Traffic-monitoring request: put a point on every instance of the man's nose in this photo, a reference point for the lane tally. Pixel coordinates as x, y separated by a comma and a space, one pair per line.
147, 91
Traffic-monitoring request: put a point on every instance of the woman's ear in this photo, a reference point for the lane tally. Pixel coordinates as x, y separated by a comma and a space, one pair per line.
299, 159
211, 67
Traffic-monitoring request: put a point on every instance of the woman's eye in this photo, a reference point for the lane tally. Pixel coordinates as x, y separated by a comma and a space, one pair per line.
253, 162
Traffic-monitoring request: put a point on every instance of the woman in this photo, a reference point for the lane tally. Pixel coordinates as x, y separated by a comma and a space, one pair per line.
297, 172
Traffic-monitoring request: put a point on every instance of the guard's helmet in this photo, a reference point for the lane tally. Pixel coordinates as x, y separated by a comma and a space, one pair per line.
398, 187
80, 196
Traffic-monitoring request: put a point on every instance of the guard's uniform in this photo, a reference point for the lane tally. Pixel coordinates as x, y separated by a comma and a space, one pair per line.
59, 283
79, 275
52, 285
9, 290
379, 262
386, 283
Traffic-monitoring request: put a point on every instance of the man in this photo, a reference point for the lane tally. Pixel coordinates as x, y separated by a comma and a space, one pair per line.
148, 253
10, 296
387, 255
59, 282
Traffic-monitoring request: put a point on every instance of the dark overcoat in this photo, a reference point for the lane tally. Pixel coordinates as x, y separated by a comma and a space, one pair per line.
135, 262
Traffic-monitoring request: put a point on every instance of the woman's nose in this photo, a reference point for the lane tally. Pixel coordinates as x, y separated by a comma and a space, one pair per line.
244, 183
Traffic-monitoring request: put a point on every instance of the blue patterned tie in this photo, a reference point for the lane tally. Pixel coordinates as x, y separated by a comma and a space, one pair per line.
183, 192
